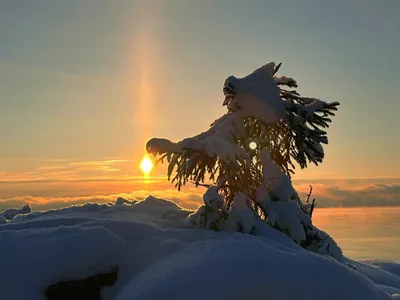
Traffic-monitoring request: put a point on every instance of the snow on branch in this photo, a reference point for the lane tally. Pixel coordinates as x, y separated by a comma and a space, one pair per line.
255, 95
193, 157
288, 81
294, 137
305, 120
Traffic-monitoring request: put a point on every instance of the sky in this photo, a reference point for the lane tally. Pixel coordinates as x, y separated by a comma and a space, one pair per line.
84, 85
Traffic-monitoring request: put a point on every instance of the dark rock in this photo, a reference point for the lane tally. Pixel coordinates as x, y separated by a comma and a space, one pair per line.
85, 289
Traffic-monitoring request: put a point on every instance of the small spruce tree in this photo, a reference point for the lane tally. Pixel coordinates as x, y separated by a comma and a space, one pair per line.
247, 157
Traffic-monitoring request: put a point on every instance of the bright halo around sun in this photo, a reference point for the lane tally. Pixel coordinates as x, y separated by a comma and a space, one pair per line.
146, 165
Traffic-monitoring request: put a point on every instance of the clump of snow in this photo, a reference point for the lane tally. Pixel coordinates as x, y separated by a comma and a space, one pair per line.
242, 217
157, 259
197, 218
212, 198
215, 142
278, 182
255, 95
283, 80
209, 214
322, 243
289, 216
159, 145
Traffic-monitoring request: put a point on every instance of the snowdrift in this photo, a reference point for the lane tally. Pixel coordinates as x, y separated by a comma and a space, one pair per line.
157, 259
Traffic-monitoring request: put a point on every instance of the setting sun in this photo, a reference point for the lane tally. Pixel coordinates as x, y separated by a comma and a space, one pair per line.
146, 165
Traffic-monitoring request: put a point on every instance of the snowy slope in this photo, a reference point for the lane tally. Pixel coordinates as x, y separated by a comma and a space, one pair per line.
159, 260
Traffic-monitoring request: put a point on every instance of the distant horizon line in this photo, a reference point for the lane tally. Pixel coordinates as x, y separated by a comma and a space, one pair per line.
61, 205
158, 178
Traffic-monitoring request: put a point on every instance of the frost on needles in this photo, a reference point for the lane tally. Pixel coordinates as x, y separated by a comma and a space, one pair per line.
248, 184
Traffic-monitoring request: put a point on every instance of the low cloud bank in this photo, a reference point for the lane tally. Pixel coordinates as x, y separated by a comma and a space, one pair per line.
327, 194
184, 199
354, 195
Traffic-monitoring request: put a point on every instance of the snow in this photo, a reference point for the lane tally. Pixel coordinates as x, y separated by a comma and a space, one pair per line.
159, 145
208, 214
285, 81
280, 184
11, 213
157, 259
288, 215
241, 217
216, 141
33, 258
256, 95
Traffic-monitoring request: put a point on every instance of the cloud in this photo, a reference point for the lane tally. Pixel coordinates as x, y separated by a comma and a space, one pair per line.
353, 195
332, 193
65, 170
52, 73
188, 200
98, 162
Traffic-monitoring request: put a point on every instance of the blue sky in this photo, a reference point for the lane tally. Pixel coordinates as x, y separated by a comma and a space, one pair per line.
91, 81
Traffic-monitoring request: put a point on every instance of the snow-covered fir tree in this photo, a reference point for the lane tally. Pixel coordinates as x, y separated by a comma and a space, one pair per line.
247, 156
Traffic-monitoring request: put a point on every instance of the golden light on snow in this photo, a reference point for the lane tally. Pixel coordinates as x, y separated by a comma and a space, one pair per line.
146, 165
253, 145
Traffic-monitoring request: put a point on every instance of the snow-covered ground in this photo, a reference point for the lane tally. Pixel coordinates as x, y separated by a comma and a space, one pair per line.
157, 259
